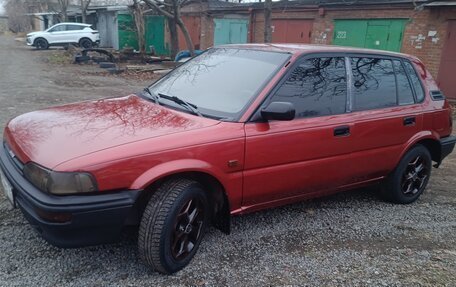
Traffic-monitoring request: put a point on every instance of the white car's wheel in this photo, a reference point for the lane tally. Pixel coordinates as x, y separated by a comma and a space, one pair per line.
41, 44
85, 43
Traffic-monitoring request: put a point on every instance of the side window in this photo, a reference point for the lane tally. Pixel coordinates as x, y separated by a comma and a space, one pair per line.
59, 28
415, 81
374, 83
404, 90
317, 87
74, 27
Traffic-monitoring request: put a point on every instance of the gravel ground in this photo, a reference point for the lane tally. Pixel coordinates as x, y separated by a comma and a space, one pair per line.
349, 239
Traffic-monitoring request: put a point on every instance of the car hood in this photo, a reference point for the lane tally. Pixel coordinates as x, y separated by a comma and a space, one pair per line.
52, 136
34, 33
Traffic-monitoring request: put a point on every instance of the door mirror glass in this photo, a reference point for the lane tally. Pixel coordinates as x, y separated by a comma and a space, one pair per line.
279, 111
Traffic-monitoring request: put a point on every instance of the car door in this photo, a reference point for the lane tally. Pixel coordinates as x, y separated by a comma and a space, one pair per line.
385, 114
310, 154
57, 34
74, 33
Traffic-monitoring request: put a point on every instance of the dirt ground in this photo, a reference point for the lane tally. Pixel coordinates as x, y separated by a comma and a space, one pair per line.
349, 239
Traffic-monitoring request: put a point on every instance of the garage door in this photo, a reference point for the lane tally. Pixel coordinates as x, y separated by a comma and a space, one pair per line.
155, 34
447, 68
382, 34
193, 24
291, 31
230, 31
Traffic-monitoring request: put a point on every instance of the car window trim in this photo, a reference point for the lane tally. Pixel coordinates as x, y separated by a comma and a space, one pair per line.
350, 99
256, 117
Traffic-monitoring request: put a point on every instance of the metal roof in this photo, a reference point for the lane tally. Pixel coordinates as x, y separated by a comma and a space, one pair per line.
218, 5
441, 3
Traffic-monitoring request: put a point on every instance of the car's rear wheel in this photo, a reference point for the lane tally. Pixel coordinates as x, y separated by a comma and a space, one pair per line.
41, 44
173, 225
85, 43
409, 179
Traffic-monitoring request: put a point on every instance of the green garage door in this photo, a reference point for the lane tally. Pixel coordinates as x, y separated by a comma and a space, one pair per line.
230, 31
127, 32
385, 34
155, 35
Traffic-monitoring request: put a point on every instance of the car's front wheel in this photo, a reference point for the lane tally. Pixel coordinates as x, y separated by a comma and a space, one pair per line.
85, 43
41, 44
409, 179
173, 225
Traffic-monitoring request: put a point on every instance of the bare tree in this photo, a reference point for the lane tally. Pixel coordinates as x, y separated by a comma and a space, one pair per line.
84, 6
267, 21
63, 9
171, 10
138, 14
16, 10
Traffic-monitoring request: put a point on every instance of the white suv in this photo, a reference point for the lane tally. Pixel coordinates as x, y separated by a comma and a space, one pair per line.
63, 34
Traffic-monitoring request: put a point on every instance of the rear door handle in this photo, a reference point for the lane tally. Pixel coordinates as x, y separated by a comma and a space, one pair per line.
409, 121
342, 131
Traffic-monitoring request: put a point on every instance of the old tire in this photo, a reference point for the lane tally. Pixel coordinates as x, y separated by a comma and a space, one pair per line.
409, 179
41, 44
85, 43
173, 224
107, 65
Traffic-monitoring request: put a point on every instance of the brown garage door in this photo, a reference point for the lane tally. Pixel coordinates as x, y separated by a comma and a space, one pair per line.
193, 25
447, 70
291, 30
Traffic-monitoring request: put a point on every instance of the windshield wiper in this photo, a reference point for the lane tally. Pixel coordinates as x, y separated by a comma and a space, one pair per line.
191, 107
155, 98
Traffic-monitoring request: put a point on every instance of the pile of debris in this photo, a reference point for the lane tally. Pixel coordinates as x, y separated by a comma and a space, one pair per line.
116, 62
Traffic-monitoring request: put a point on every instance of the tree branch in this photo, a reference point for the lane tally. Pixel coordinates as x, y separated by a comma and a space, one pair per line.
155, 5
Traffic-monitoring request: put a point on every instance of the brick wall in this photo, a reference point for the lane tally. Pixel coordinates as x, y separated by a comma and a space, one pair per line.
207, 32
415, 41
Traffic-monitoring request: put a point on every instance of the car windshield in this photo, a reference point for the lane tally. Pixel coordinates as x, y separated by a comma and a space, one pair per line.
221, 81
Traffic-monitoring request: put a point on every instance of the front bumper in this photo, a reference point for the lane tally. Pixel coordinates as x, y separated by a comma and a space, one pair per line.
69, 221
29, 41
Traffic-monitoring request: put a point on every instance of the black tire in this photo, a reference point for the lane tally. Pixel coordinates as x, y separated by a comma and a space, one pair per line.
169, 234
107, 65
41, 44
85, 43
409, 179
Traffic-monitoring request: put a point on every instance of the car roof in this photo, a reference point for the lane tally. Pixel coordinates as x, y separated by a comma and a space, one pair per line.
313, 48
73, 23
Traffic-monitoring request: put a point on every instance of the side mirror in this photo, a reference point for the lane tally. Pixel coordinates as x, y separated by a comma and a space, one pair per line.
279, 111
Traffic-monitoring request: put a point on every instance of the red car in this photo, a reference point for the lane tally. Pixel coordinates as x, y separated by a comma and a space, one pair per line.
237, 129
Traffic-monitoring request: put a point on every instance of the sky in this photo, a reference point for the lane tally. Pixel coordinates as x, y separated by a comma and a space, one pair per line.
1, 7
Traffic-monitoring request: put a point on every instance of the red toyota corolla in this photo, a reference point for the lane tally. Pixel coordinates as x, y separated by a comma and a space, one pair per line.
237, 129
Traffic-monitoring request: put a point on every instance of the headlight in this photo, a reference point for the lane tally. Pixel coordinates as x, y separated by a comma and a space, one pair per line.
59, 182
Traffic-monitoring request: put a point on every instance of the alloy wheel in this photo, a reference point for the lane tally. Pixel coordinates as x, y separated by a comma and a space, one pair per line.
187, 229
415, 176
